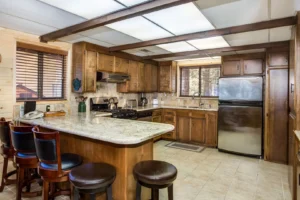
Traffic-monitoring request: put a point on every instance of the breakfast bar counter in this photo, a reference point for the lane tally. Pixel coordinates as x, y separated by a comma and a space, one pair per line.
121, 143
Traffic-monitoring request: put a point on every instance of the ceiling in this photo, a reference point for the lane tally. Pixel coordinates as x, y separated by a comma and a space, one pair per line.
43, 16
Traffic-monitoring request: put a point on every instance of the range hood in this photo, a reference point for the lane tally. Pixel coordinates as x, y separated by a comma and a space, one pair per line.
109, 77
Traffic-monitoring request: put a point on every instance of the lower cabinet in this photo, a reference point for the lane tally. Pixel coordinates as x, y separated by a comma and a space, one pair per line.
191, 126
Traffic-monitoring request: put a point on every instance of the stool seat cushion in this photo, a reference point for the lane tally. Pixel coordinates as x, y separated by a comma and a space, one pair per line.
155, 172
68, 161
93, 176
26, 155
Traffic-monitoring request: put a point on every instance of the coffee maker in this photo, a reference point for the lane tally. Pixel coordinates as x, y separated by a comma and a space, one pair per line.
143, 101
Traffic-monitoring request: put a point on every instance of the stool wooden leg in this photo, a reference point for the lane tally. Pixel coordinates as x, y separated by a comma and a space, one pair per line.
155, 194
21, 172
109, 193
170, 192
138, 191
4, 173
45, 190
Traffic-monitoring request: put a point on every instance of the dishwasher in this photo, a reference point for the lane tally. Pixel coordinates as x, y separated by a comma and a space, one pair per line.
145, 116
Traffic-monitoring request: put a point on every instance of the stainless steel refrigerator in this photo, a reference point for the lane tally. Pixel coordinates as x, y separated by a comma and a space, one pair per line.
240, 118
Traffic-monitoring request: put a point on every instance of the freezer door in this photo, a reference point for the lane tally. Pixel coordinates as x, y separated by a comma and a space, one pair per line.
241, 89
240, 129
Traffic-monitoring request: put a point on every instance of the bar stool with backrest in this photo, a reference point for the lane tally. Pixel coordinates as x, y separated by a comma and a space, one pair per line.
8, 152
155, 175
25, 158
53, 167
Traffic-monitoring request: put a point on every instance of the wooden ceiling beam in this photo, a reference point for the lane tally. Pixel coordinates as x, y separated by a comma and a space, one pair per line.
126, 13
218, 51
211, 33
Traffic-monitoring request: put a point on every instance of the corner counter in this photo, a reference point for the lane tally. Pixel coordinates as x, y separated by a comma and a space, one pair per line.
119, 142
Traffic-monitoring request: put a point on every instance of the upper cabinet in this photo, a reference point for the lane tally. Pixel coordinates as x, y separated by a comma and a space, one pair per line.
150, 78
84, 63
105, 63
278, 59
243, 65
167, 76
137, 76
121, 65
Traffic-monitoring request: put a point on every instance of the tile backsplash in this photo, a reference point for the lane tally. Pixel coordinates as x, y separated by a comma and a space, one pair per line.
110, 90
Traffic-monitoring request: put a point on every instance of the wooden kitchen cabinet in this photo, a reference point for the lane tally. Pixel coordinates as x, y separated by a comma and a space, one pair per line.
137, 76
243, 65
150, 78
291, 151
84, 65
167, 75
276, 113
197, 127
252, 67
278, 59
169, 117
121, 65
105, 63
157, 117
231, 68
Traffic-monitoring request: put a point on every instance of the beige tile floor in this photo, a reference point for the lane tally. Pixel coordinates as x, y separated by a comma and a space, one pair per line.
211, 175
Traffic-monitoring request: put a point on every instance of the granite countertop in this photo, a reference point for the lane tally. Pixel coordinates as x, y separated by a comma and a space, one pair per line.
117, 131
152, 107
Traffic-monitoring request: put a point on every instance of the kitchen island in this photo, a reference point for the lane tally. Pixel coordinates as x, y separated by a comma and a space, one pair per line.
121, 143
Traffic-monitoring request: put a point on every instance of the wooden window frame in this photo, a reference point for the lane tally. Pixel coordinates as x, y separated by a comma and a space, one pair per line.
196, 67
41, 51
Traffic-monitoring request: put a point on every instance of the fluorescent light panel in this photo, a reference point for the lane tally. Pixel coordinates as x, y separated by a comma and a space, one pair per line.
181, 19
177, 47
140, 28
132, 2
209, 43
86, 8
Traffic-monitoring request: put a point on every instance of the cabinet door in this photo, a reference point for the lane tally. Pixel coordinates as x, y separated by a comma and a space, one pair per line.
211, 135
183, 128
121, 65
141, 77
148, 78
165, 78
198, 129
105, 63
231, 68
278, 59
154, 86
90, 71
133, 72
253, 67
278, 115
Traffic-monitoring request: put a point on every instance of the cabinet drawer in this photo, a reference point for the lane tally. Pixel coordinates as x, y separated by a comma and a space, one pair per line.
170, 135
156, 112
198, 114
156, 119
169, 112
169, 119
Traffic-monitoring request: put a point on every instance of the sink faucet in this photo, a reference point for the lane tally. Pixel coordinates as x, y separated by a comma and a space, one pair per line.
200, 102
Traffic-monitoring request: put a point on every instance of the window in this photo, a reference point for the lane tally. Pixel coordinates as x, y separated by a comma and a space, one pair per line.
40, 75
195, 80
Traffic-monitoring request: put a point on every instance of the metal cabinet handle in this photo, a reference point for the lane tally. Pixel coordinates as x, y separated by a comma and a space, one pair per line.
246, 67
292, 88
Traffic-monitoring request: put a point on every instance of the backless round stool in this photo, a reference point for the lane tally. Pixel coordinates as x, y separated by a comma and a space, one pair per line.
155, 175
91, 179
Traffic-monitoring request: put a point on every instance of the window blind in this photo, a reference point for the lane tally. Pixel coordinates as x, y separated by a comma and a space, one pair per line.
40, 75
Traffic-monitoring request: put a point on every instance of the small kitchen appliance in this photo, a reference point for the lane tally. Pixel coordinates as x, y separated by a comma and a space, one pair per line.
143, 101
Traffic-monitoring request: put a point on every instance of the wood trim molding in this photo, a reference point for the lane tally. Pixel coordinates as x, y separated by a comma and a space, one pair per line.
218, 51
211, 33
41, 48
127, 13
